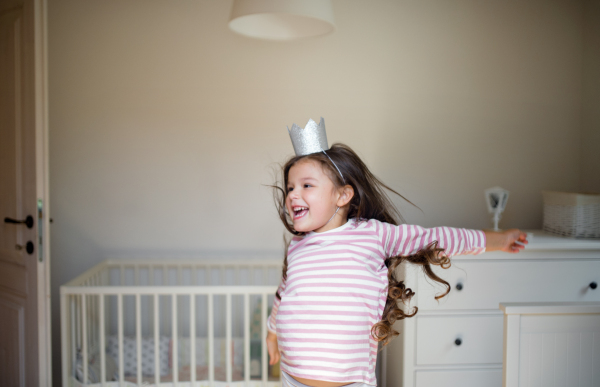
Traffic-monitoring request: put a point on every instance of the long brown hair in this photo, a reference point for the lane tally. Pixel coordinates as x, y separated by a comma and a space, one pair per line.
370, 201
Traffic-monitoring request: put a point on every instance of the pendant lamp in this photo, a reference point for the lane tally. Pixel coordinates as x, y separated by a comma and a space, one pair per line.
282, 19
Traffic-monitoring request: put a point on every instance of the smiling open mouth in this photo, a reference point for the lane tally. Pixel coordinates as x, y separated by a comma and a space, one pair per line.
300, 212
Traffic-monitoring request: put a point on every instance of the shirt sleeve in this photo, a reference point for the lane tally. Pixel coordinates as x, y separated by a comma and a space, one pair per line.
407, 239
271, 325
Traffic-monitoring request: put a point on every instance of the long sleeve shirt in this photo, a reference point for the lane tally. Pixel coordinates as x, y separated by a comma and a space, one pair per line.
336, 290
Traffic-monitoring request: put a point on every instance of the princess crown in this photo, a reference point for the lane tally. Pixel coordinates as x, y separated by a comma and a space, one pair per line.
309, 140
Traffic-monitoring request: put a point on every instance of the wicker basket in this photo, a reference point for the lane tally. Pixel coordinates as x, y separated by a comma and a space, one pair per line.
572, 214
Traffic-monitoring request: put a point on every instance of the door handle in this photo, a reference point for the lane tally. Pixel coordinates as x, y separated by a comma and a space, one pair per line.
28, 221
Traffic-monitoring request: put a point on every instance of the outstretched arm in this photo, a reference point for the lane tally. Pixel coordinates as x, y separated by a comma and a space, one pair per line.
509, 241
408, 239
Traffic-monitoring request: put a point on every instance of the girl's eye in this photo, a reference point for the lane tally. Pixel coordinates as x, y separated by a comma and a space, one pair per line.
307, 185
289, 189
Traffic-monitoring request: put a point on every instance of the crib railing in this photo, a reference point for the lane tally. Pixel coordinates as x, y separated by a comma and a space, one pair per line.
99, 274
106, 292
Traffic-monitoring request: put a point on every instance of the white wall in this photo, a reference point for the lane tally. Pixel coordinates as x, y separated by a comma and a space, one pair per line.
165, 125
590, 134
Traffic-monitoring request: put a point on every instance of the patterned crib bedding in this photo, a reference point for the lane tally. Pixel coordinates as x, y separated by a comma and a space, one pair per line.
166, 359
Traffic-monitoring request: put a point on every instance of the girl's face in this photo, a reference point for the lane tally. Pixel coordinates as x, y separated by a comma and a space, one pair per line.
311, 196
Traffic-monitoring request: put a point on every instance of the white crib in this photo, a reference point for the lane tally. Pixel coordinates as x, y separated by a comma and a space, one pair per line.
206, 320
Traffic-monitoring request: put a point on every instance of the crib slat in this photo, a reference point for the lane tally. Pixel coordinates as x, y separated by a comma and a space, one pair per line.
64, 299
87, 324
156, 353
247, 338
211, 341
74, 329
175, 339
90, 313
263, 346
165, 311
102, 343
138, 333
120, 336
95, 312
93, 322
78, 322
193, 339
228, 337
84, 338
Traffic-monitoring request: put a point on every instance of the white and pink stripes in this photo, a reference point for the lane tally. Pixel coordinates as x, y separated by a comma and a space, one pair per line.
336, 290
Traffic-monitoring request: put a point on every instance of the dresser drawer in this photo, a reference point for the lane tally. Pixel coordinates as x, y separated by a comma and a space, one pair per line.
480, 339
486, 284
459, 378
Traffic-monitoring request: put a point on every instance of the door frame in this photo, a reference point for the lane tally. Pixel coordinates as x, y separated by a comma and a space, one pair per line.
40, 27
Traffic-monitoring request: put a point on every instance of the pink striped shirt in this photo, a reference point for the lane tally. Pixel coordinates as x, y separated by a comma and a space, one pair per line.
336, 290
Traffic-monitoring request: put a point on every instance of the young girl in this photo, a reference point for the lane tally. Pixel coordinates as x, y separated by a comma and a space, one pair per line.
338, 295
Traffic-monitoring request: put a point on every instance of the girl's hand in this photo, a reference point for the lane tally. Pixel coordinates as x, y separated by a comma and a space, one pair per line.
273, 348
509, 241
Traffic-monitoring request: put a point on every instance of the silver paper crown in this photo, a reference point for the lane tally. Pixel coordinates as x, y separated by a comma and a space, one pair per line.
311, 139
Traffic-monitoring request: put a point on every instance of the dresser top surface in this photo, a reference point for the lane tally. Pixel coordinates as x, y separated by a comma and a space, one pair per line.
541, 240
550, 307
543, 245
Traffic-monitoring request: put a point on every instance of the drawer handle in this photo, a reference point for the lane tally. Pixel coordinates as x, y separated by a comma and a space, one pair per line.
459, 287
458, 341
593, 285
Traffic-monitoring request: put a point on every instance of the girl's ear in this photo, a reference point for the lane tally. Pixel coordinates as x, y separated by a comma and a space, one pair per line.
346, 195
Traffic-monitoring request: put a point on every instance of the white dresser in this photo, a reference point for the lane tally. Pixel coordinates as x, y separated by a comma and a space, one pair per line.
458, 341
551, 344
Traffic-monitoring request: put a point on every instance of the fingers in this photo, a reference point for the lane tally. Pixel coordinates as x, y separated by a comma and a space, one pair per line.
271, 352
274, 359
520, 240
517, 234
516, 248
272, 349
522, 237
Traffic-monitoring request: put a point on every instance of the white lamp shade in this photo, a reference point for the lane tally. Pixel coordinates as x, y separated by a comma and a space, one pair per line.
282, 19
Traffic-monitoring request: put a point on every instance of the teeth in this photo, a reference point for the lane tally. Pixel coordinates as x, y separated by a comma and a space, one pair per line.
296, 209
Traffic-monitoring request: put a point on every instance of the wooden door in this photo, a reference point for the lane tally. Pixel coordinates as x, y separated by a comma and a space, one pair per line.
24, 263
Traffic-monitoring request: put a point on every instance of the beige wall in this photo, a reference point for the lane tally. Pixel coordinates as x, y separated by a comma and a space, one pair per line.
590, 134
165, 125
